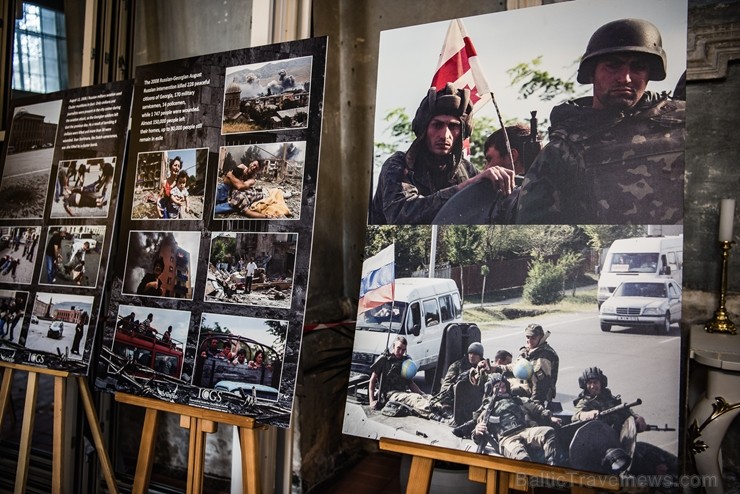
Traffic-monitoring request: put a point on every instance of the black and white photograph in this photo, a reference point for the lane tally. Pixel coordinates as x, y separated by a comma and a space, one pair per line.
252, 269
170, 184
59, 324
13, 311
28, 160
260, 181
153, 340
240, 355
72, 255
18, 252
270, 95
161, 264
83, 188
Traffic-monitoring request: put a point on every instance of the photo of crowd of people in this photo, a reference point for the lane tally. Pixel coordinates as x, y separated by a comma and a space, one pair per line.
28, 160
72, 255
161, 264
83, 188
270, 95
252, 269
260, 181
170, 184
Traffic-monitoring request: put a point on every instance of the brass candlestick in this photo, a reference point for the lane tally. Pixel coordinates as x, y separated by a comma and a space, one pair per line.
721, 322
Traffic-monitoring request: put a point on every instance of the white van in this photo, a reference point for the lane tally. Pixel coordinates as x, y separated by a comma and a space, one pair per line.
423, 307
640, 258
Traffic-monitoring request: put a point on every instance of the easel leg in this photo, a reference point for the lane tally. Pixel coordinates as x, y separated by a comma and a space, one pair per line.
97, 434
5, 392
197, 450
146, 452
250, 460
29, 414
420, 475
60, 393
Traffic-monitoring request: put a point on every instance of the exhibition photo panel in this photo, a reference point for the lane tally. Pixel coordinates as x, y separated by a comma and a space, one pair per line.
72, 255
59, 324
533, 271
82, 188
18, 252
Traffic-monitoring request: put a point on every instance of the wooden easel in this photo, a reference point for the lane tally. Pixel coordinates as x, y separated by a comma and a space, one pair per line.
494, 471
200, 422
29, 415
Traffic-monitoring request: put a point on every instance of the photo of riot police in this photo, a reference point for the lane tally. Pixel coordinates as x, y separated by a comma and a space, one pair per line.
595, 115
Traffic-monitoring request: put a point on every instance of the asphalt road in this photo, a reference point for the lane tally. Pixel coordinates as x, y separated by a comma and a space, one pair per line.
637, 362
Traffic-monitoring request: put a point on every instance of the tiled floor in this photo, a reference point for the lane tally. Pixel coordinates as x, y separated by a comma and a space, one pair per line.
377, 473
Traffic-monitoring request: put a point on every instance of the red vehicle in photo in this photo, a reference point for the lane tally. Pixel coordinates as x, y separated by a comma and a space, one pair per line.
146, 349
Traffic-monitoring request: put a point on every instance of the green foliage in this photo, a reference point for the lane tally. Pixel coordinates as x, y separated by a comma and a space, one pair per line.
571, 263
533, 80
544, 283
278, 329
412, 245
460, 244
602, 236
399, 124
223, 247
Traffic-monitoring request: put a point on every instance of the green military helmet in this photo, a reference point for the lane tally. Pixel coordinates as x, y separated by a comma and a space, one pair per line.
625, 35
446, 101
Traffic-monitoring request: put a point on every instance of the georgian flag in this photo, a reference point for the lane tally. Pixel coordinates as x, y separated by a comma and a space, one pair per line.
458, 64
378, 279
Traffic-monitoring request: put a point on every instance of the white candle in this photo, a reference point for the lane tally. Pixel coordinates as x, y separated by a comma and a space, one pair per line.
726, 219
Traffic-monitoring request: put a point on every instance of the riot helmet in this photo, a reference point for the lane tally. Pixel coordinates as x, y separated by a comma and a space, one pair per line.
624, 35
592, 373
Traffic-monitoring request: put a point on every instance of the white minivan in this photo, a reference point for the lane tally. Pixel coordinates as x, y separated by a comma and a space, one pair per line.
640, 258
423, 307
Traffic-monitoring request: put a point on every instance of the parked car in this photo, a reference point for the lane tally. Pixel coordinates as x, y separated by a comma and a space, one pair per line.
56, 330
655, 303
34, 320
80, 239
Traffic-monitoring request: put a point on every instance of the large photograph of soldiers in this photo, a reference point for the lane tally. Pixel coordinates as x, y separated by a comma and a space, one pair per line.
556, 345
594, 106
170, 184
28, 160
270, 95
18, 249
260, 181
252, 269
521, 291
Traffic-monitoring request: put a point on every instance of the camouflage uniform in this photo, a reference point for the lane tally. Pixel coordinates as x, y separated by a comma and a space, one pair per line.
445, 399
545, 363
608, 167
395, 387
514, 422
410, 193
602, 401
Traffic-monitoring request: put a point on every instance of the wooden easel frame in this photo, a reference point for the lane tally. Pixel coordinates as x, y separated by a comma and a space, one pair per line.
29, 415
494, 471
200, 422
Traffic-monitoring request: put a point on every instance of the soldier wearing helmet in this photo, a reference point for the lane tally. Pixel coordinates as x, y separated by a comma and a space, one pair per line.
414, 185
520, 426
457, 371
596, 397
616, 157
